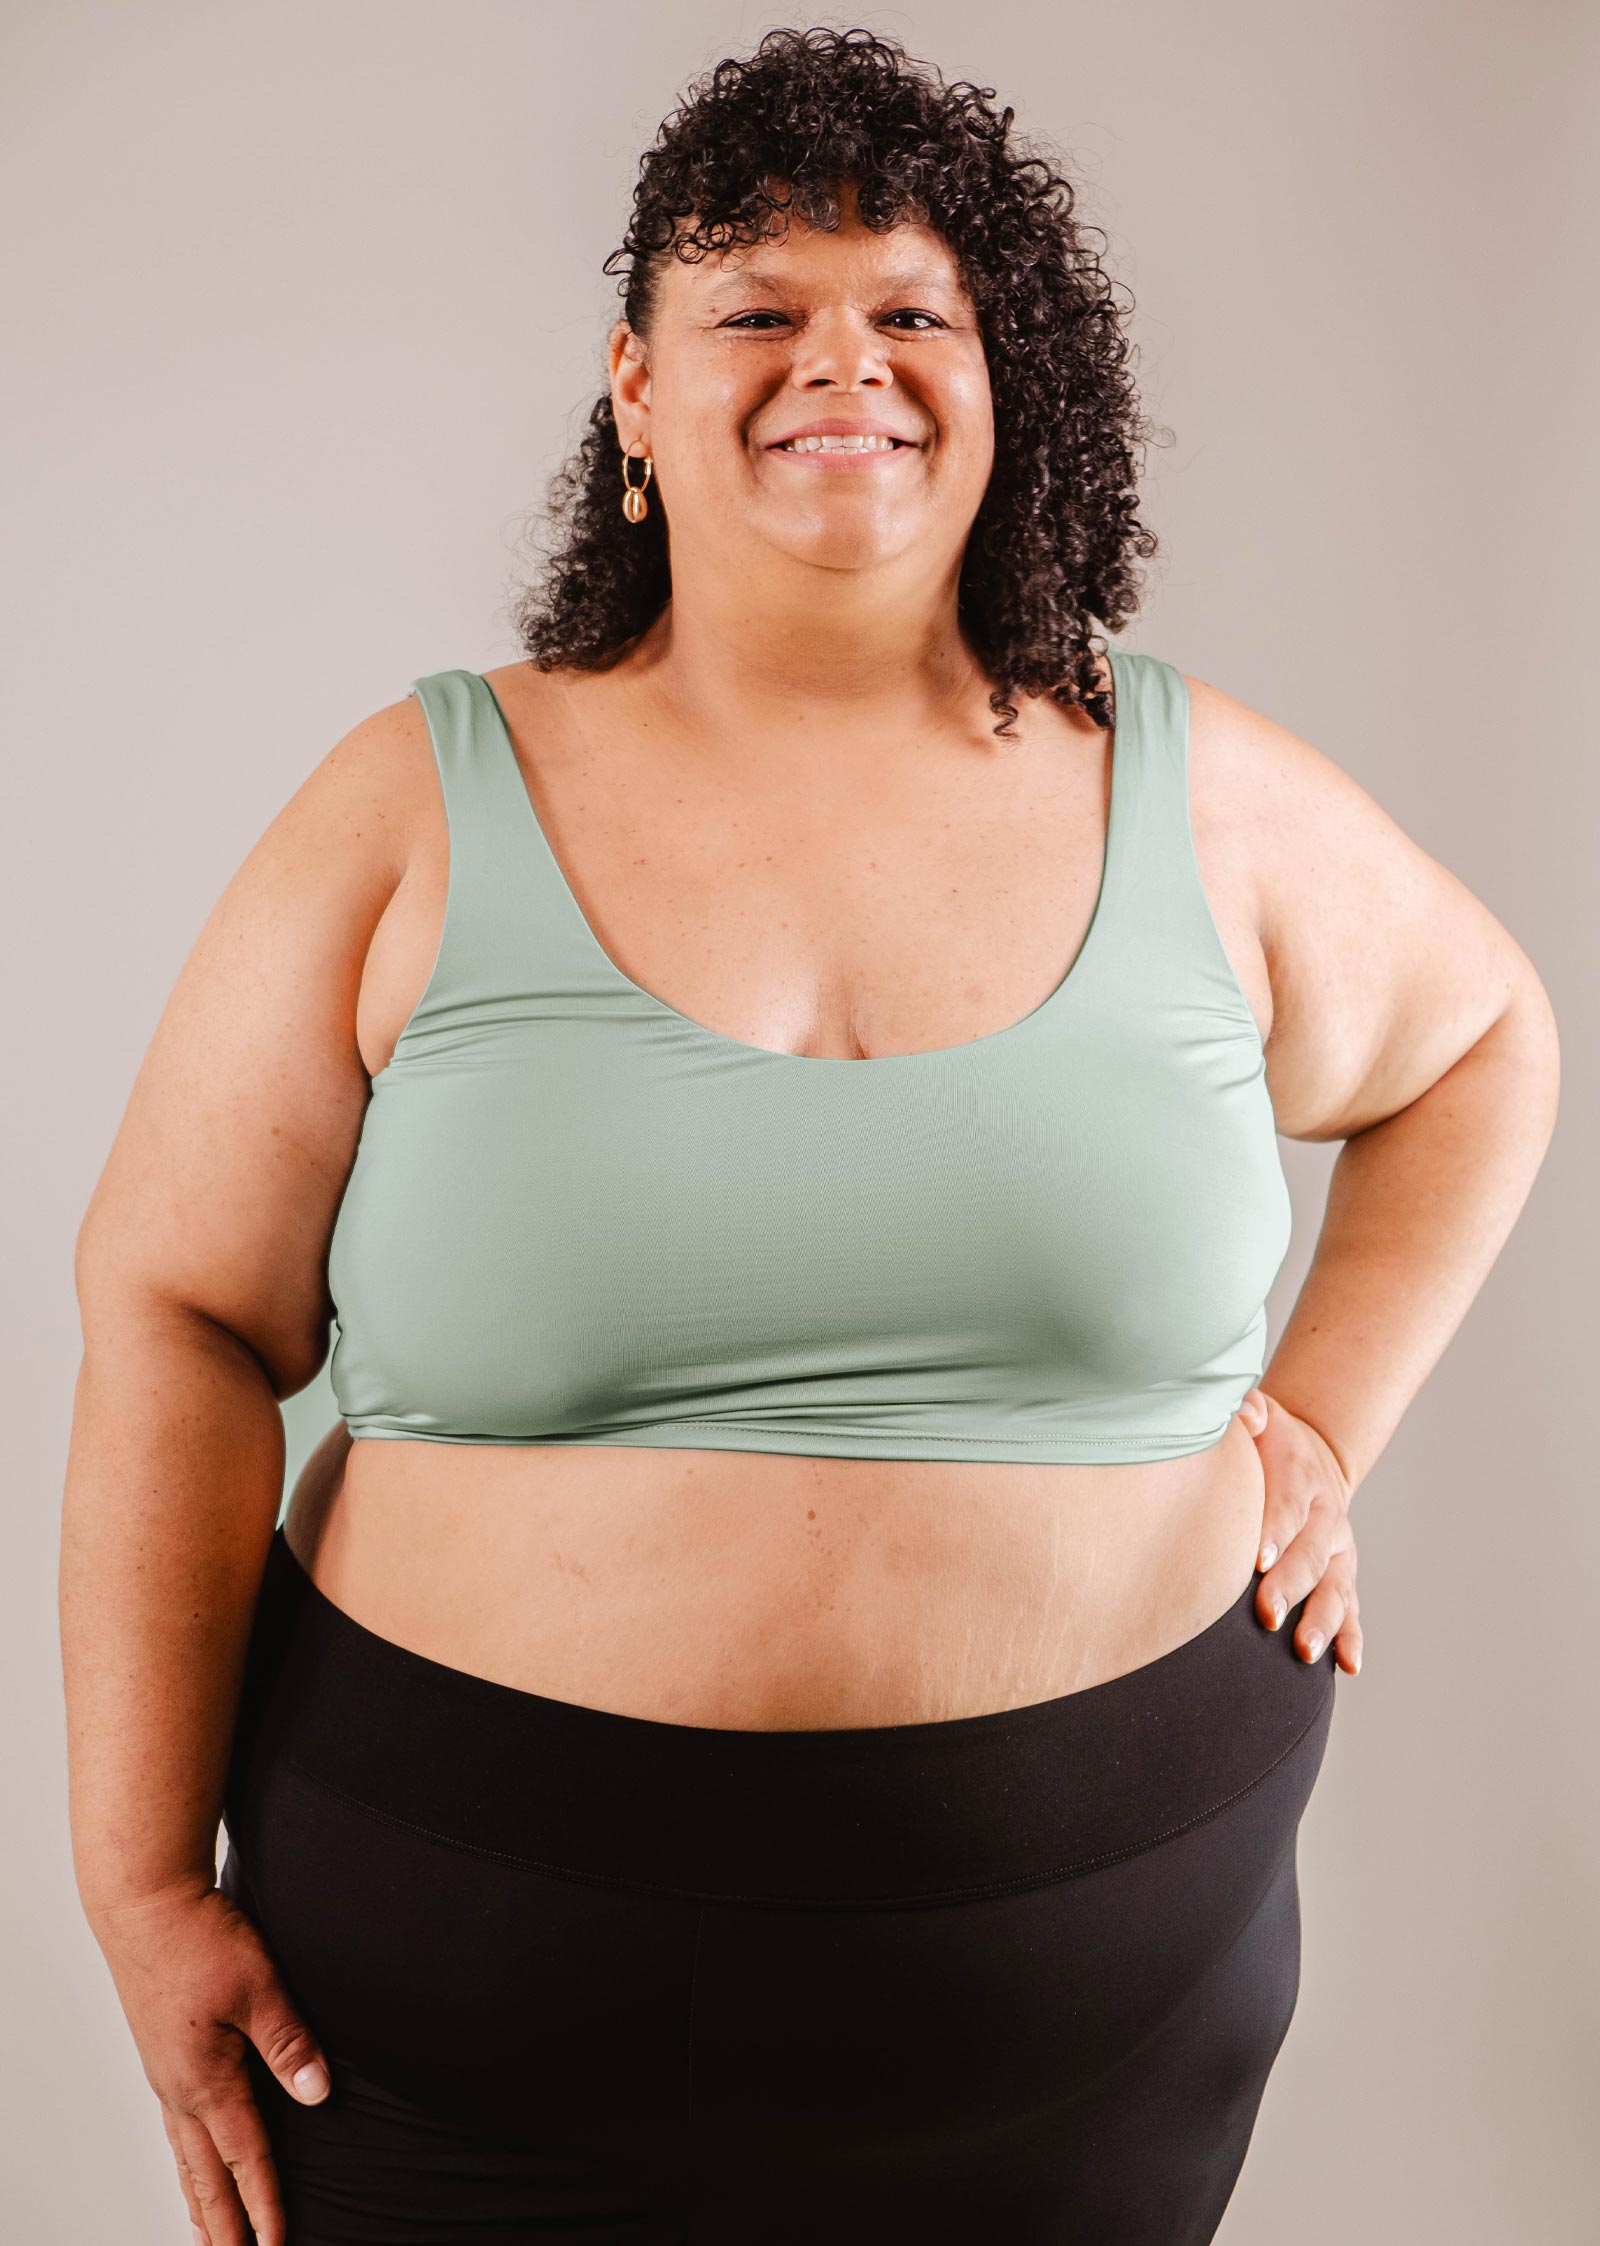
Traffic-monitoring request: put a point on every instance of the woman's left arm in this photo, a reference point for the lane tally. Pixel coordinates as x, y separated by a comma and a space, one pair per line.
1409, 1024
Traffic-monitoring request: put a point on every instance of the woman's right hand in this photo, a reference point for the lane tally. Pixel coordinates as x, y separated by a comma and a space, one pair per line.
196, 1982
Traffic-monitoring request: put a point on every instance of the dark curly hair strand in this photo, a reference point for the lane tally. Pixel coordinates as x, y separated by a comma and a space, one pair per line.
1052, 546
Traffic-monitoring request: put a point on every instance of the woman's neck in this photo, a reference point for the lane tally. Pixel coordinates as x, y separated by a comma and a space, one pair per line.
729, 670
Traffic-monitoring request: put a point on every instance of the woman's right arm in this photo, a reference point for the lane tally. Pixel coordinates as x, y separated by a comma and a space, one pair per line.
201, 1276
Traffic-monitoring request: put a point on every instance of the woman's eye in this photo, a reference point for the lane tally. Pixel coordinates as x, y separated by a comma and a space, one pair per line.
907, 313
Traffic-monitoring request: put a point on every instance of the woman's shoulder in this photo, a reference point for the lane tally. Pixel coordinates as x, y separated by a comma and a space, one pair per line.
367, 797
1384, 966
549, 699
1261, 788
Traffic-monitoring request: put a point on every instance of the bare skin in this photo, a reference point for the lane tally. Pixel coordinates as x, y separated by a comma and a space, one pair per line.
787, 815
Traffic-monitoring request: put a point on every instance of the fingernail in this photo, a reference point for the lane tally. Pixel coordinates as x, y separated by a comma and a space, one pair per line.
197, 2234
1279, 1610
1269, 1552
1313, 1644
311, 2082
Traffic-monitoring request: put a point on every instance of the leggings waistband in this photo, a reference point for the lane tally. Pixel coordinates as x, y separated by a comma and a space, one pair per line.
889, 1815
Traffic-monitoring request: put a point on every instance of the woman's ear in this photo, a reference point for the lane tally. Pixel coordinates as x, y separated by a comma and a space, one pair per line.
630, 386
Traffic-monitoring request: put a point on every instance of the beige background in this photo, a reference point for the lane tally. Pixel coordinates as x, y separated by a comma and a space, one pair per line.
305, 303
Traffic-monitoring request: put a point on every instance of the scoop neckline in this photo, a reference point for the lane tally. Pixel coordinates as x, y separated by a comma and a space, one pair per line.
1024, 1025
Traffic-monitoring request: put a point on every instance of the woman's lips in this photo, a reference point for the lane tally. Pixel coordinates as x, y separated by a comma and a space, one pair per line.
878, 457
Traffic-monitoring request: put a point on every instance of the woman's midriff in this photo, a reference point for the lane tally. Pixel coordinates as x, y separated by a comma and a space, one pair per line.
755, 1591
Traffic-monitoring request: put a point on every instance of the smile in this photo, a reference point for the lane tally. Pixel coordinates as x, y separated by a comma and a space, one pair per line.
841, 452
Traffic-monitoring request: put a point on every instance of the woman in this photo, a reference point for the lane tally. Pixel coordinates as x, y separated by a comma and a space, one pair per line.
762, 1722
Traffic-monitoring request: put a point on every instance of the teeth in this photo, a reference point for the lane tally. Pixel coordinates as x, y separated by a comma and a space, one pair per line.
839, 444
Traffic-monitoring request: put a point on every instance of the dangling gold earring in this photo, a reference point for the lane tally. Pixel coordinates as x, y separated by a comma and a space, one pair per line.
634, 503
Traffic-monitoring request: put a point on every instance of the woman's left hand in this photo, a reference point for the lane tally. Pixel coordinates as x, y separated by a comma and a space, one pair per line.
1307, 1545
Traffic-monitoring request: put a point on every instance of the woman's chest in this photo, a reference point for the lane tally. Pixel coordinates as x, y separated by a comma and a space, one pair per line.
888, 912
576, 1219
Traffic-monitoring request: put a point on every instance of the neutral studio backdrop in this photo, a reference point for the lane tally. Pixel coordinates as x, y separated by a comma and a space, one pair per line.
304, 305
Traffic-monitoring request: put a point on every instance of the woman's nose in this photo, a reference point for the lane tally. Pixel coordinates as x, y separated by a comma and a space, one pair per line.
839, 348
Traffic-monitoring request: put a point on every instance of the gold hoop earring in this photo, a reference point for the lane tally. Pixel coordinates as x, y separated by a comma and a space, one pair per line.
634, 503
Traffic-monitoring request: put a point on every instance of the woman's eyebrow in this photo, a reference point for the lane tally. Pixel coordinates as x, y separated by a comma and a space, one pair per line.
770, 284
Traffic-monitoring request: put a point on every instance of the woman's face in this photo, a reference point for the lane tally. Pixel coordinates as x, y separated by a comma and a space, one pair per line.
750, 346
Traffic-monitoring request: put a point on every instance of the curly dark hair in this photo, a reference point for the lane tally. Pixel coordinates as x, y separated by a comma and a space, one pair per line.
1052, 545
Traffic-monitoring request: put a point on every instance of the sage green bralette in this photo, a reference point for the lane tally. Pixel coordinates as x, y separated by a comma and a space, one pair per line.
577, 1216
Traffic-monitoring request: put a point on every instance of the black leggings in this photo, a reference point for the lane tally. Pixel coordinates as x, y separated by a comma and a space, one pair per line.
589, 1977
